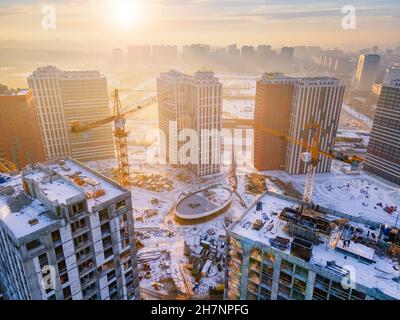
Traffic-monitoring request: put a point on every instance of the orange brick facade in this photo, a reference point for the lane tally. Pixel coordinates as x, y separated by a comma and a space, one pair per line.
20, 139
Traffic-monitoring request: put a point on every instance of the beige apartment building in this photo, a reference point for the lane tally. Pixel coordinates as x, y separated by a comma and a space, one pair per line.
66, 96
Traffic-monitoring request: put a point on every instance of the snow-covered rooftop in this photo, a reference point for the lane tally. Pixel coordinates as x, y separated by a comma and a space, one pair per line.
378, 274
32, 217
65, 186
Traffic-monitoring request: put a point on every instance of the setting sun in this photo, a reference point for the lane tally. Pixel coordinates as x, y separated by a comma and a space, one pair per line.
125, 12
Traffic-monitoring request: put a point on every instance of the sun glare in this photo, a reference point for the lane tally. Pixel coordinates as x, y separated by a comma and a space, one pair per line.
125, 12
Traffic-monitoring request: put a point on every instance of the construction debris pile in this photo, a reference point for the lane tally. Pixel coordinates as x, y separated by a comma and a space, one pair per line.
152, 182
206, 255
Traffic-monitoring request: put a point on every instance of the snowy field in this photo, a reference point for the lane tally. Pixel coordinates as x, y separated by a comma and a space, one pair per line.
238, 109
362, 195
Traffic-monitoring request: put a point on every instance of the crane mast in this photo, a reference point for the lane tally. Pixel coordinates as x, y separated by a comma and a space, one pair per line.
311, 158
121, 135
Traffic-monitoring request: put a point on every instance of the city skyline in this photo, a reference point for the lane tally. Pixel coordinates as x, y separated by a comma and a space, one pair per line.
87, 24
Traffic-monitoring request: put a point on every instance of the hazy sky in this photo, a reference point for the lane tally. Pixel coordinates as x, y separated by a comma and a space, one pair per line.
93, 24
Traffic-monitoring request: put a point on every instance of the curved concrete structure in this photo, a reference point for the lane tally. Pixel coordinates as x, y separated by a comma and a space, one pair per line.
204, 203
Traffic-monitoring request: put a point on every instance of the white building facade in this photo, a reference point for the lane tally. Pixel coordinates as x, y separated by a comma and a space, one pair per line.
315, 100
190, 112
62, 239
66, 96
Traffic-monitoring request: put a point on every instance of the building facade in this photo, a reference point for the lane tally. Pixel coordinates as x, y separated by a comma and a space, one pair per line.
66, 96
392, 73
68, 234
273, 106
286, 107
366, 72
383, 154
193, 103
315, 100
20, 139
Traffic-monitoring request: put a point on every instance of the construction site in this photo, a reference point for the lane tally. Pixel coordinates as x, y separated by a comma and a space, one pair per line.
192, 233
292, 250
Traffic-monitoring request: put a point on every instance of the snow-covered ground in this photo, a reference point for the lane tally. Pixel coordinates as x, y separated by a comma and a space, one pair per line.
238, 108
358, 195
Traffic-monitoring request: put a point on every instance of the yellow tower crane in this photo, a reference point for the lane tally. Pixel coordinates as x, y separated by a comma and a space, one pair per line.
120, 133
311, 157
7, 166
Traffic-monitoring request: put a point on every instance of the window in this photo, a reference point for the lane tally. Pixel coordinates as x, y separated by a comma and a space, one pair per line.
62, 267
119, 205
59, 252
33, 244
111, 275
107, 242
78, 225
43, 261
67, 293
81, 240
86, 265
83, 253
105, 229
103, 215
124, 232
77, 208
108, 253
56, 236
64, 278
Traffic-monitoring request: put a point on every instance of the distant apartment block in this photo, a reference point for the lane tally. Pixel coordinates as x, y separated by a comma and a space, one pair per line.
139, 54
273, 106
392, 73
366, 72
66, 233
315, 100
233, 52
286, 59
281, 250
65, 96
20, 139
192, 102
247, 53
288, 106
383, 154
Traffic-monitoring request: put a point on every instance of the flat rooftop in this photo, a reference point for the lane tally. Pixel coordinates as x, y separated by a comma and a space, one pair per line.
377, 274
29, 216
67, 186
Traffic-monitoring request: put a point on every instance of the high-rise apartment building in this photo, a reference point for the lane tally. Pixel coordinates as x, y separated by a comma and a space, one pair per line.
66, 232
20, 139
366, 72
315, 100
65, 96
383, 155
248, 53
233, 52
286, 59
392, 73
273, 106
290, 106
195, 103
139, 54
282, 250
